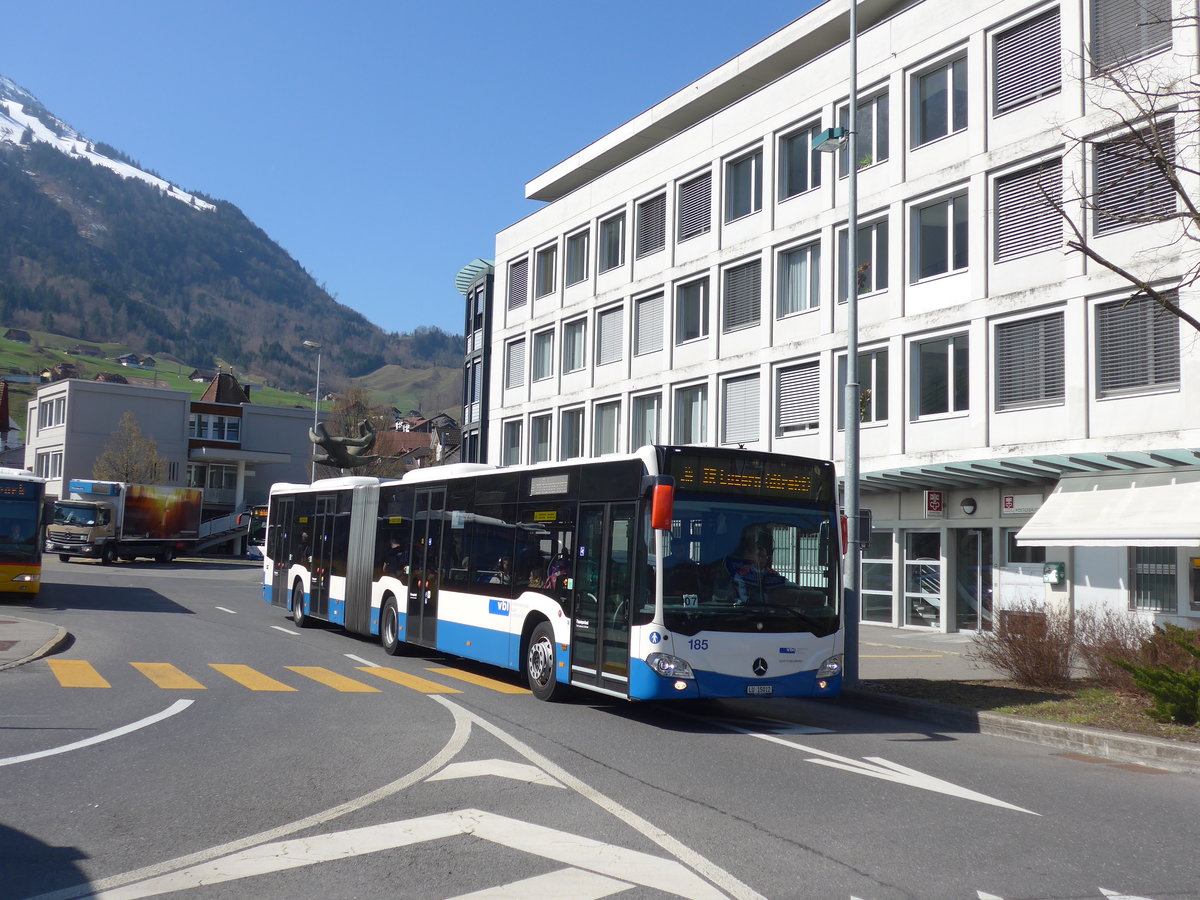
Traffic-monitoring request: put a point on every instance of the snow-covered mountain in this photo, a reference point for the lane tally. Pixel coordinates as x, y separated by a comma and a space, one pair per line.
23, 118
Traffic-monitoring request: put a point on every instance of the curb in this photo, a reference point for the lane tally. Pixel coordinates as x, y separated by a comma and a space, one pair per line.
1174, 756
61, 636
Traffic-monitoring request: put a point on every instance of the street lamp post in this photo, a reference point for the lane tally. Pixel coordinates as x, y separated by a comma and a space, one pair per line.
832, 140
313, 345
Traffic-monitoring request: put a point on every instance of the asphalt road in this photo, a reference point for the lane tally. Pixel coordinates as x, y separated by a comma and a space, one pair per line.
193, 743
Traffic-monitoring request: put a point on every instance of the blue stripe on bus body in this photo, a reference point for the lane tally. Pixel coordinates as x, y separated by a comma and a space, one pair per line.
473, 642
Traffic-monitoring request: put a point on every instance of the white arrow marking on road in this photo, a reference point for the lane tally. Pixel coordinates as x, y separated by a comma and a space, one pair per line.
177, 707
630, 866
573, 883
501, 768
1113, 895
881, 768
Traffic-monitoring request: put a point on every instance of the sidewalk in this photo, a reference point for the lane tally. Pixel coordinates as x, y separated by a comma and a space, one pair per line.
24, 640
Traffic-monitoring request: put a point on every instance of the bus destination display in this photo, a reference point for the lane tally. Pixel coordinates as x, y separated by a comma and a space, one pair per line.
766, 478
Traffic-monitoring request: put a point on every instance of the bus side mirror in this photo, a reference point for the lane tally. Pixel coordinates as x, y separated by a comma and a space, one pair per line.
662, 502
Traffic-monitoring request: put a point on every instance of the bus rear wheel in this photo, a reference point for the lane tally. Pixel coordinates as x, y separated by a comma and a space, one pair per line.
541, 669
298, 615
389, 627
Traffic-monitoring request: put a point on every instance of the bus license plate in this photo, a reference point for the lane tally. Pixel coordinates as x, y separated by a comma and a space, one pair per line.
759, 690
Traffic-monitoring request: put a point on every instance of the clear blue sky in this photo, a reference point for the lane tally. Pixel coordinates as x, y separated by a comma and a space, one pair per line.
382, 144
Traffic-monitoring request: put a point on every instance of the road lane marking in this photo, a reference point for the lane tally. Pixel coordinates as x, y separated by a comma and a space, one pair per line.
250, 678
77, 673
501, 768
409, 681
168, 677
502, 687
570, 882
177, 707
339, 683
232, 612
286, 630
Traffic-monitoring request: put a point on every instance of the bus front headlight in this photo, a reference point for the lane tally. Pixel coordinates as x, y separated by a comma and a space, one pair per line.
830, 668
669, 666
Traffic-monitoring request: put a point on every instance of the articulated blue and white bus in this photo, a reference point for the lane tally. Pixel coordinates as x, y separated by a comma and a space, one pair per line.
671, 572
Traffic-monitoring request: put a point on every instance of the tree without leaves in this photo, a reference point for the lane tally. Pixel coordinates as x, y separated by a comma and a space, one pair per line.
129, 456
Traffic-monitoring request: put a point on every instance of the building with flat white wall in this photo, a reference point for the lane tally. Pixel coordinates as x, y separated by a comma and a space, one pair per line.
685, 283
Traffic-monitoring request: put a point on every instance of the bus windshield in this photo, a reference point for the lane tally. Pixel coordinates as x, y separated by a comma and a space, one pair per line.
749, 567
19, 540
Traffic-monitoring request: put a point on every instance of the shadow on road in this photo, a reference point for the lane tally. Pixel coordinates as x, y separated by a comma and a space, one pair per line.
104, 597
29, 867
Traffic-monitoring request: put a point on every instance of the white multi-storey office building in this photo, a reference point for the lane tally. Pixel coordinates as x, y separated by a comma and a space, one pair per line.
682, 285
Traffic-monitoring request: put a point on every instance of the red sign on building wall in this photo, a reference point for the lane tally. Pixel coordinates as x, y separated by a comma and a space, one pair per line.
935, 508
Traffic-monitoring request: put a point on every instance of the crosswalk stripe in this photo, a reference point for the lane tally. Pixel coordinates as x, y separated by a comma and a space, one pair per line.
409, 681
250, 678
168, 677
77, 673
339, 683
502, 687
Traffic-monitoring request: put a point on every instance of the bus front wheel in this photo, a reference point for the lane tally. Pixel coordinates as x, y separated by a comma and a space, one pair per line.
541, 669
298, 615
389, 627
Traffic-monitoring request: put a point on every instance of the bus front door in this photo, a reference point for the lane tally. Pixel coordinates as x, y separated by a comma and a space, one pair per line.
425, 576
278, 537
601, 596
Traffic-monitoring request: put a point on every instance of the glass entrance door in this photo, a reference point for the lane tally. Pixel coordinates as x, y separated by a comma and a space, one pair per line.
973, 579
923, 578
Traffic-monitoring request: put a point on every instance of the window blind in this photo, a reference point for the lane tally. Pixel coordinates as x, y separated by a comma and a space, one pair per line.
608, 335
1123, 30
518, 281
1027, 217
651, 226
740, 410
1029, 362
1130, 187
1027, 61
741, 300
515, 371
1137, 346
648, 327
798, 398
695, 206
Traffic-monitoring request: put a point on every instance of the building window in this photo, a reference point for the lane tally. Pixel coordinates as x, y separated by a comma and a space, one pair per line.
605, 428
872, 387
203, 426
577, 258
799, 280
872, 126
1125, 30
643, 424
1026, 62
797, 399
691, 415
739, 410
1130, 188
52, 412
48, 464
695, 206
743, 186
518, 282
1016, 555
543, 355
799, 163
539, 439
573, 345
514, 365
648, 325
691, 311
939, 239
547, 263
1137, 347
1152, 575
1027, 210
608, 337
939, 102
1030, 370
877, 574
941, 376
571, 434
651, 226
512, 443
612, 243
741, 296
872, 264
221, 478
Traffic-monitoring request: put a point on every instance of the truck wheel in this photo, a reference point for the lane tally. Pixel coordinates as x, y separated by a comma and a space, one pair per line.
109, 555
166, 554
298, 615
64, 557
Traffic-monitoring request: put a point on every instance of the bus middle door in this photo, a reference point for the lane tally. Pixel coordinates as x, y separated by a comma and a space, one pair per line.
425, 576
600, 609
322, 555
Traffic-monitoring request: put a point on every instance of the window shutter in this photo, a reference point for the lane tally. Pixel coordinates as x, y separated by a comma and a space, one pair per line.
651, 226
1026, 216
798, 399
1029, 362
609, 337
1130, 188
514, 375
740, 410
648, 330
743, 289
1123, 30
695, 206
518, 283
1138, 346
1027, 61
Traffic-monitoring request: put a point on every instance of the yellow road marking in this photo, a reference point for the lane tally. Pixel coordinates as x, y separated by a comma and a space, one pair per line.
77, 673
168, 677
409, 681
332, 679
502, 687
251, 678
